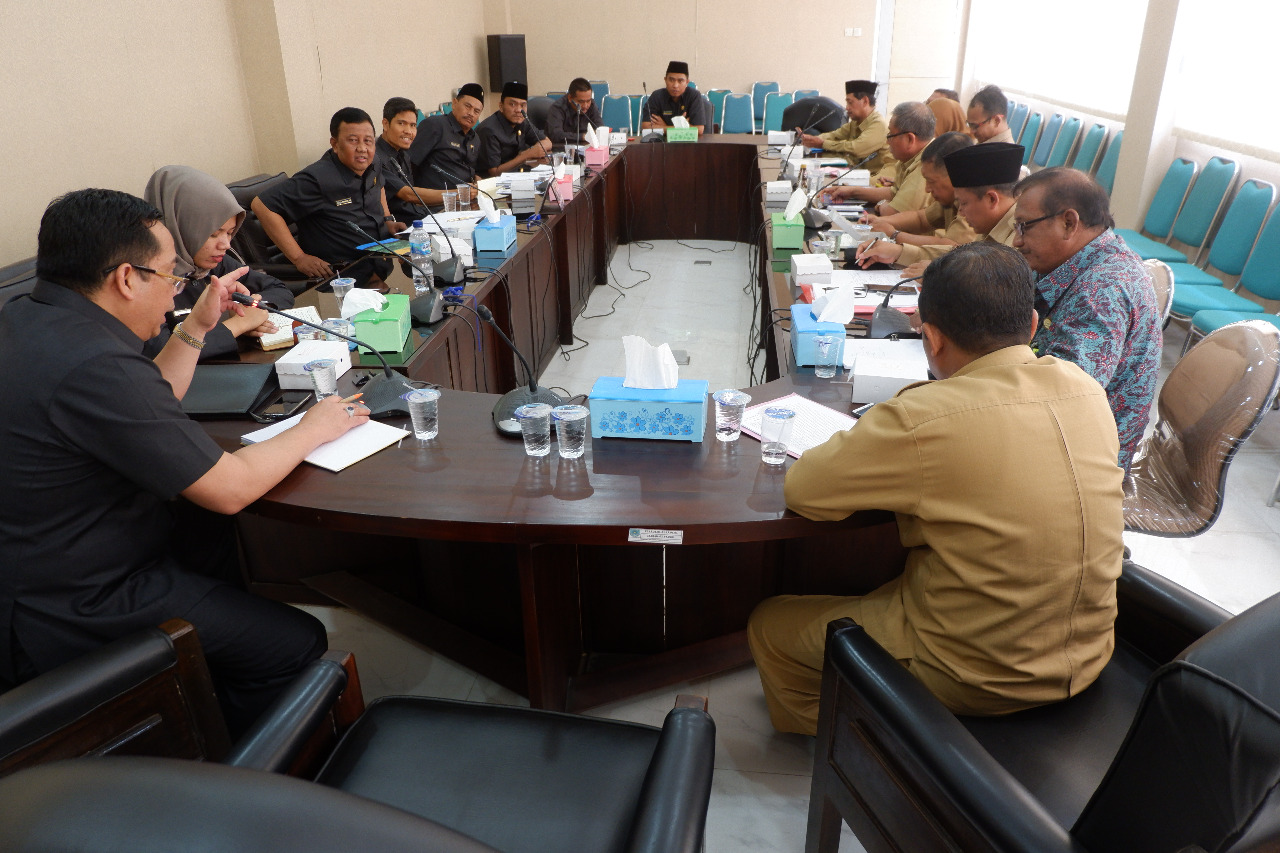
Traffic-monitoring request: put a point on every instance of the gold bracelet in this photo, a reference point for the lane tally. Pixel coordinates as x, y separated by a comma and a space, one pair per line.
182, 335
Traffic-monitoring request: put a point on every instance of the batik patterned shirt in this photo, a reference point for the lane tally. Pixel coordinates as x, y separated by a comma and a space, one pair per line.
1101, 314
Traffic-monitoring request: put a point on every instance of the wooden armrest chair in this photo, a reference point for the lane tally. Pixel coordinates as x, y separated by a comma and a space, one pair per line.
1167, 751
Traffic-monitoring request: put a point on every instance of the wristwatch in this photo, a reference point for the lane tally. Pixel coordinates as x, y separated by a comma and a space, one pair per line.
894, 235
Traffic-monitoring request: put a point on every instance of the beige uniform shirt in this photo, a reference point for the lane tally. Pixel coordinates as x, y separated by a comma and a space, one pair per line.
946, 223
1007, 493
1005, 135
857, 140
1003, 232
910, 193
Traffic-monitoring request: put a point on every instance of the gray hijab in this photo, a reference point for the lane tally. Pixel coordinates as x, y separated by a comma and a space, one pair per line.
194, 206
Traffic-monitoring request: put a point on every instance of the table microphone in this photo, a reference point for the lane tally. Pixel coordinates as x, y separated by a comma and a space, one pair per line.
890, 322
452, 270
504, 417
381, 393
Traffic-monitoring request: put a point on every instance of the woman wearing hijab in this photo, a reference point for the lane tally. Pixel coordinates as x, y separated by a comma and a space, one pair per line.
950, 117
203, 216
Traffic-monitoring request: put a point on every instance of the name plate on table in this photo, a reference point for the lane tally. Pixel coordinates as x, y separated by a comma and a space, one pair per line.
682, 134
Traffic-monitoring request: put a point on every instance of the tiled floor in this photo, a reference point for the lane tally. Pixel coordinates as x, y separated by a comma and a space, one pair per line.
761, 788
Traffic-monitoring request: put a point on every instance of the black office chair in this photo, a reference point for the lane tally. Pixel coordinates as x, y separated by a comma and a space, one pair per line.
1169, 750
251, 242
539, 106
17, 279
814, 115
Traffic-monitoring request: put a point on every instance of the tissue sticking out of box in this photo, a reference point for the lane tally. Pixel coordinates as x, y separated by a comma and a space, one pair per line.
487, 208
362, 299
795, 204
679, 121
836, 306
590, 137
649, 366
597, 137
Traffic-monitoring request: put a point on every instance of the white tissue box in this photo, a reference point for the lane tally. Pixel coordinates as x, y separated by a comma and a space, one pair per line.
289, 367
855, 178
781, 137
882, 368
673, 414
777, 191
811, 269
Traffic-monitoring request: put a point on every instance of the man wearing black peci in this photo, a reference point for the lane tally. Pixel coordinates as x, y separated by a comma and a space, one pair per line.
448, 144
677, 99
508, 140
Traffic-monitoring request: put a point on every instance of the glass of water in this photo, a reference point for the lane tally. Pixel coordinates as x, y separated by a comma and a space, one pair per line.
341, 287
730, 404
324, 376
450, 198
775, 432
571, 430
828, 352
464, 196
535, 426
424, 412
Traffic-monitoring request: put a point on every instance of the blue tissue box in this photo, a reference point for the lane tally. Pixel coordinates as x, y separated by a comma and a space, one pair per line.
804, 328
495, 236
674, 414
493, 260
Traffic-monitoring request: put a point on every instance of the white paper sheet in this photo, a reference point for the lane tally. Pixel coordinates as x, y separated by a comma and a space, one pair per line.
344, 451
814, 423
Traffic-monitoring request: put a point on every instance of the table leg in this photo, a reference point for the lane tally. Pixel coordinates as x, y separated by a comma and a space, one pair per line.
552, 622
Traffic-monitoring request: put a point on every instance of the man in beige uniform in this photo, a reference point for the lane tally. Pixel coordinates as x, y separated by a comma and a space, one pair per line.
1003, 476
911, 126
982, 179
987, 119
863, 137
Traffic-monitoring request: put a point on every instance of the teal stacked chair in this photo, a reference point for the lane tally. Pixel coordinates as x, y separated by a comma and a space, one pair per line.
716, 97
1017, 119
1229, 252
801, 94
758, 91
1163, 211
1087, 153
774, 104
1009, 106
1106, 176
1199, 211
1063, 144
637, 104
446, 107
1045, 145
1261, 278
1030, 133
616, 113
421, 116
737, 114
599, 90
556, 95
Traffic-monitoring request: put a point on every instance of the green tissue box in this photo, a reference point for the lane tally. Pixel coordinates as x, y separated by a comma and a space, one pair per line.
388, 329
682, 134
787, 233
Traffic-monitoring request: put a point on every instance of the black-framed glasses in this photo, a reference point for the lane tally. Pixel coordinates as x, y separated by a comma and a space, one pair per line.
899, 133
974, 125
1021, 227
179, 281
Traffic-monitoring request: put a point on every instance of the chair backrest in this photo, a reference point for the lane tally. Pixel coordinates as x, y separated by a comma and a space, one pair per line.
716, 97
758, 91
555, 96
616, 112
1087, 153
538, 108
1200, 766
16, 279
1162, 284
1106, 176
1204, 202
774, 104
446, 106
149, 693
1009, 104
1050, 136
1261, 274
1168, 199
1062, 146
251, 241
737, 114
1030, 133
1239, 229
807, 93
421, 116
814, 115
637, 104
1210, 403
1017, 119
599, 89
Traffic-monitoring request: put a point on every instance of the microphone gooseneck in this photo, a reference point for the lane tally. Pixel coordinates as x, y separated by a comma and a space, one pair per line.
504, 419
404, 177
890, 322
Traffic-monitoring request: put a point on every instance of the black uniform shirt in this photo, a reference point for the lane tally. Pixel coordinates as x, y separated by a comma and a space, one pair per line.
566, 125
322, 199
388, 156
690, 105
440, 141
93, 448
500, 140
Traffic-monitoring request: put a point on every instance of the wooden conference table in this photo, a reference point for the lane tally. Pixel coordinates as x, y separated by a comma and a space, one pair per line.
521, 569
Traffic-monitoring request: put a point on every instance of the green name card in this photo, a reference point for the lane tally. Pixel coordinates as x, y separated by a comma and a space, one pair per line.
682, 134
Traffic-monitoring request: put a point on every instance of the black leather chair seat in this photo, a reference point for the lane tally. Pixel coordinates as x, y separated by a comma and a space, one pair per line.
1060, 752
550, 776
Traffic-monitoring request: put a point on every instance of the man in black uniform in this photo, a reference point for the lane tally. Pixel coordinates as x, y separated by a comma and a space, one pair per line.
508, 140
445, 152
570, 116
95, 453
677, 99
342, 187
399, 128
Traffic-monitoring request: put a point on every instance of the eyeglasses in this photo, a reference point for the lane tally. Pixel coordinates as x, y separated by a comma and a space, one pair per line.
179, 281
974, 125
1021, 227
899, 133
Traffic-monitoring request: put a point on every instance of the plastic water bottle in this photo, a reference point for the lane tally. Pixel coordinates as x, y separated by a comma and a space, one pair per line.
420, 255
